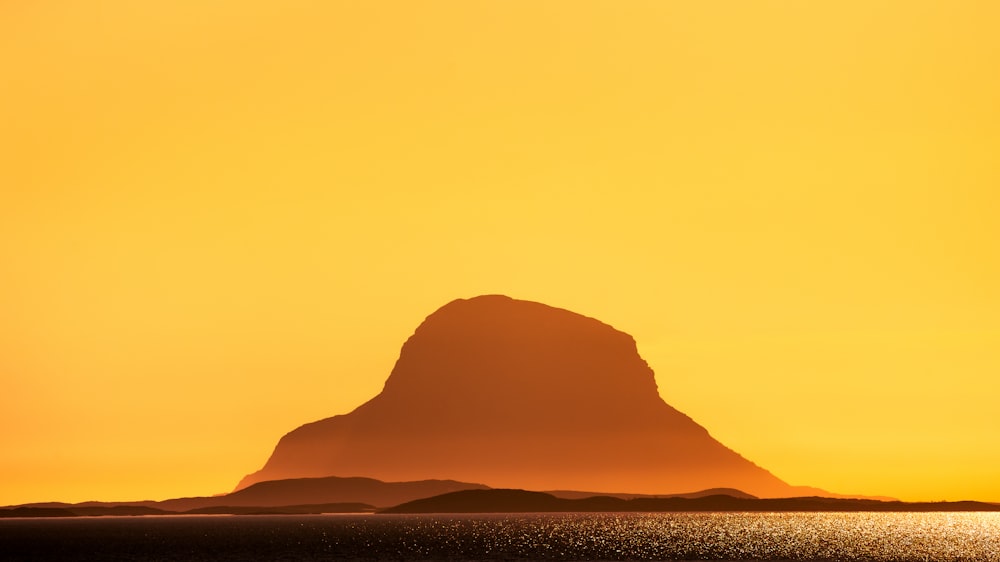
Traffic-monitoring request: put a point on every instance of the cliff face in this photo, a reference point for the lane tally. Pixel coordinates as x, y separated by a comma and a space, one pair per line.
519, 394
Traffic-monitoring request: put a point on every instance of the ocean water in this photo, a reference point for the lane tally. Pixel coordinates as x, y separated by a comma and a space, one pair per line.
561, 536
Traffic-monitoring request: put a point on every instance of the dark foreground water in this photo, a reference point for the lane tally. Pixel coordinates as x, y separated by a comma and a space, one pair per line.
564, 536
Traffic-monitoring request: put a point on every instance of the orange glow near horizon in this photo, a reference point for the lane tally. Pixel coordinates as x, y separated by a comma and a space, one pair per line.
221, 221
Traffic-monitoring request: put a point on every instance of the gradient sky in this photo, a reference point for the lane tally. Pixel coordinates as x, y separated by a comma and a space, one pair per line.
220, 220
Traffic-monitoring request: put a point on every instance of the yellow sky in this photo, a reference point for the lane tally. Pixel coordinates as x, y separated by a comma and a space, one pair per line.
220, 220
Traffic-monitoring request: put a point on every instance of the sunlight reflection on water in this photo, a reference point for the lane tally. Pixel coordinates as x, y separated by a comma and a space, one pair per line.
567, 536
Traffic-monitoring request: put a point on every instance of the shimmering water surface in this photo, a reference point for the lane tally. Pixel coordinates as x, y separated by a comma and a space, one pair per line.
564, 536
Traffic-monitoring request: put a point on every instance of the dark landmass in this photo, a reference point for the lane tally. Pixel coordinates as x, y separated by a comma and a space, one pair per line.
281, 494
488, 500
322, 495
118, 510
82, 511
284, 510
575, 495
124, 510
521, 501
25, 511
298, 495
518, 394
810, 491
340, 490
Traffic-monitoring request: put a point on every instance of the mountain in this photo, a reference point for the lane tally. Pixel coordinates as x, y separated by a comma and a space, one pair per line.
518, 394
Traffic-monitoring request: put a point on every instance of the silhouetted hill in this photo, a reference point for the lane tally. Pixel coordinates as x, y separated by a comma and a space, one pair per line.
118, 510
133, 510
81, 511
518, 394
328, 490
575, 495
284, 510
27, 511
285, 494
521, 501
808, 491
340, 490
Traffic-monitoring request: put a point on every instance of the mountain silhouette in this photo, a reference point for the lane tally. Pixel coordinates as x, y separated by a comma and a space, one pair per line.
518, 394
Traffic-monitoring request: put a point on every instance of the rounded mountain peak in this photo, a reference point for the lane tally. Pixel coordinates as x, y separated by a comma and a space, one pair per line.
499, 312
493, 347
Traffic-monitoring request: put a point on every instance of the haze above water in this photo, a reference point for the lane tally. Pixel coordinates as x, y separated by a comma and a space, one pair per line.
674, 536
